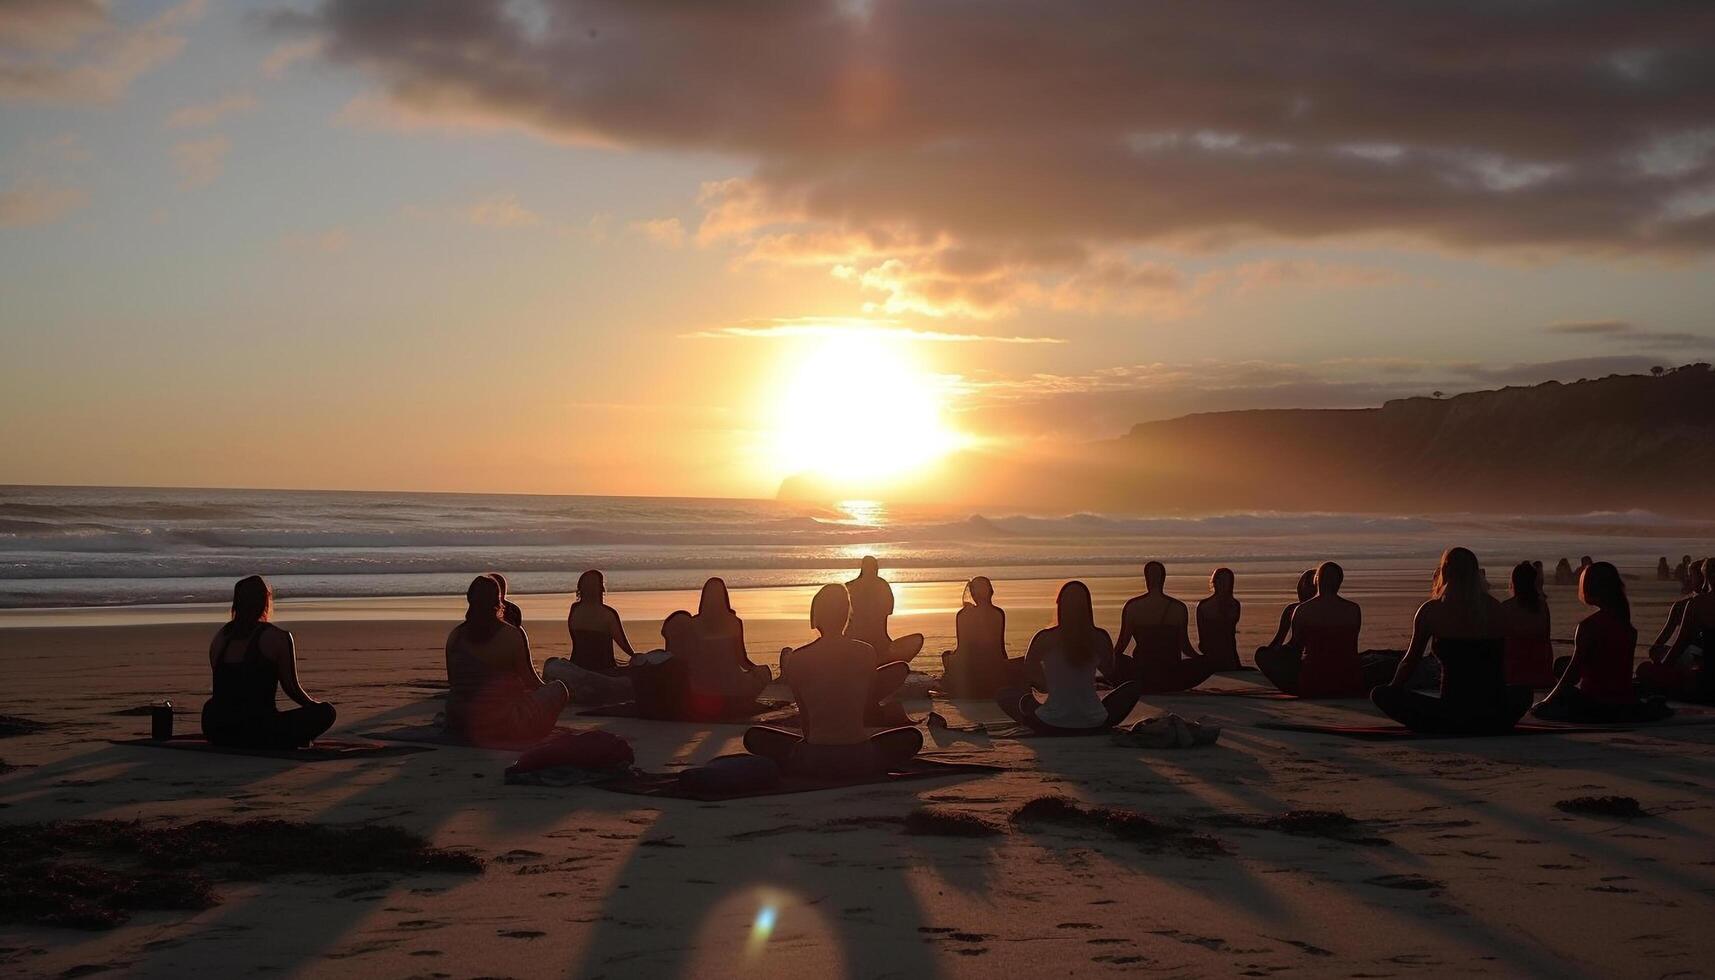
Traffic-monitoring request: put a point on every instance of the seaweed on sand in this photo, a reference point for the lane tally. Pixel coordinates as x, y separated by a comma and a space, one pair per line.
935, 822
1624, 807
93, 874
1128, 825
1327, 824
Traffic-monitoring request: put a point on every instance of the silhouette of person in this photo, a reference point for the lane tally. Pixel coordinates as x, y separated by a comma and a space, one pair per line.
1325, 663
1467, 627
1596, 685
595, 627
250, 658
494, 693
834, 679
1160, 625
1529, 647
1304, 589
1563, 573
1069, 654
1685, 670
1663, 573
1218, 622
872, 604
977, 666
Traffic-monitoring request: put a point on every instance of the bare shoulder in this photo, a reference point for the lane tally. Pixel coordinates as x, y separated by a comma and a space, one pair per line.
275, 642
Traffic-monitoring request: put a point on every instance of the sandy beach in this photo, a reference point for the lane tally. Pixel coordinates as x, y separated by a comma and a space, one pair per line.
1465, 864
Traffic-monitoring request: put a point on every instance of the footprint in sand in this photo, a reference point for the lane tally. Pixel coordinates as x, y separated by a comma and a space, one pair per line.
1412, 883
520, 934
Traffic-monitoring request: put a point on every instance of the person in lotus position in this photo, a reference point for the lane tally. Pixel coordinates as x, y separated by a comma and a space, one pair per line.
1596, 686
977, 667
1326, 626
1069, 654
1165, 660
1304, 590
596, 628
494, 693
1529, 649
1468, 629
835, 680
872, 605
250, 658
1218, 622
509, 609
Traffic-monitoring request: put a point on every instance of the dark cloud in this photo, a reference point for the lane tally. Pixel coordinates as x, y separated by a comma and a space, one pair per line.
1559, 123
1632, 335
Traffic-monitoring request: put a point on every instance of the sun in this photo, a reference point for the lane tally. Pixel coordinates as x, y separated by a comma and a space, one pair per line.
858, 409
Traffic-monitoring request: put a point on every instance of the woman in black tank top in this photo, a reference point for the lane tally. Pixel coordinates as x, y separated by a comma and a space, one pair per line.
242, 712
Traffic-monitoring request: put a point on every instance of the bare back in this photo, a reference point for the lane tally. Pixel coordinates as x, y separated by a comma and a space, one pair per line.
831, 680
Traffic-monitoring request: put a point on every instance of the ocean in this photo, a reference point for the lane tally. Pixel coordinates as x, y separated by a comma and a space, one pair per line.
105, 546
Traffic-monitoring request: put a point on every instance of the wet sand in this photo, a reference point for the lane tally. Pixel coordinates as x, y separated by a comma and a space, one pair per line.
582, 882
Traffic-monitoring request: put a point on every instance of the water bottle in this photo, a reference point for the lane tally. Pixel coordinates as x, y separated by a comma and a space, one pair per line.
161, 721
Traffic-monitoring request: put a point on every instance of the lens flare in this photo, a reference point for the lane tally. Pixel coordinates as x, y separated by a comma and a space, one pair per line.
761, 928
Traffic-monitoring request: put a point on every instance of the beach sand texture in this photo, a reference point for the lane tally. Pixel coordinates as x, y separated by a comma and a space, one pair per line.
1480, 872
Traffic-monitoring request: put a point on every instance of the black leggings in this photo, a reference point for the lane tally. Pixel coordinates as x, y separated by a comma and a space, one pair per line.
1283, 665
268, 730
1021, 706
878, 754
1440, 716
1182, 675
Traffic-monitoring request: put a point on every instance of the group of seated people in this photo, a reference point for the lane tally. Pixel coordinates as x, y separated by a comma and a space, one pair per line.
1492, 655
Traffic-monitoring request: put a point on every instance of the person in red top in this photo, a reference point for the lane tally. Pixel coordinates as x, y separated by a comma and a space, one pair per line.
1326, 626
1596, 686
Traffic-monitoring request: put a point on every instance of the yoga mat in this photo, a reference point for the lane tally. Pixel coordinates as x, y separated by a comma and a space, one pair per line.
666, 784
321, 750
436, 735
1399, 733
628, 709
1259, 693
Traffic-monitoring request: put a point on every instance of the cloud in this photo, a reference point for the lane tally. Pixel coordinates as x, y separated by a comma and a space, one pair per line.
912, 133
200, 162
330, 241
840, 326
285, 55
500, 211
206, 114
1632, 335
668, 232
30, 204
74, 51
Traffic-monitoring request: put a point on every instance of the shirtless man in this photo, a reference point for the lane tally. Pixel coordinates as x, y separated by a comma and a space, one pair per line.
1165, 660
835, 682
1327, 627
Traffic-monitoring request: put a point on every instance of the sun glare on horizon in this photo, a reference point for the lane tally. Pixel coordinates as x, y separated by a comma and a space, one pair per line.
859, 408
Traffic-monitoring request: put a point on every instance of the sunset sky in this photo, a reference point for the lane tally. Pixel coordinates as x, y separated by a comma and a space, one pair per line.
674, 248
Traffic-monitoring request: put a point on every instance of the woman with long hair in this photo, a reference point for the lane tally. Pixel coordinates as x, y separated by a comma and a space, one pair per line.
1218, 622
494, 694
1596, 686
1529, 649
977, 666
595, 627
1069, 654
250, 658
722, 679
1466, 625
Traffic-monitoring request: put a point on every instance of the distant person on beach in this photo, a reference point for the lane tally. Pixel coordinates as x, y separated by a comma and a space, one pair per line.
1218, 622
1069, 654
1683, 571
1529, 648
1686, 671
1325, 662
1664, 573
1563, 573
509, 609
1303, 590
834, 679
977, 665
1468, 629
249, 658
595, 627
1596, 685
872, 604
1165, 660
495, 695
